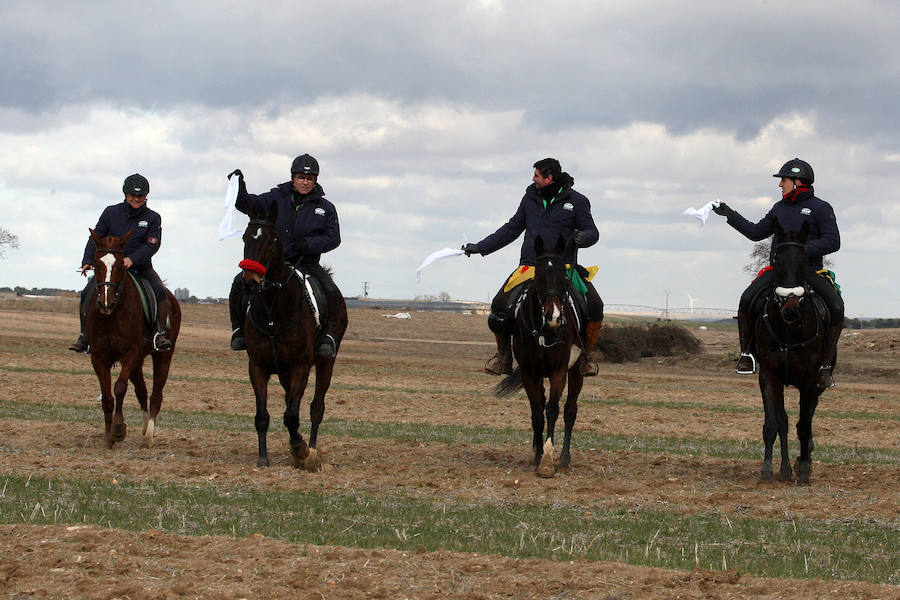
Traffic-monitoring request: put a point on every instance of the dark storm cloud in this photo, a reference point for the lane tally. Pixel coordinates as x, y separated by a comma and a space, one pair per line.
686, 65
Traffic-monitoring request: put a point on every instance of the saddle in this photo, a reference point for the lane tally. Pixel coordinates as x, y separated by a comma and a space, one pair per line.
314, 295
149, 305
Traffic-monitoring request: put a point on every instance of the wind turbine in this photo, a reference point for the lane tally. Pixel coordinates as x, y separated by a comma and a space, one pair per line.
692, 300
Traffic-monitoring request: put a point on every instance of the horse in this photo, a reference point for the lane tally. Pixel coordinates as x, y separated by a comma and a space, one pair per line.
790, 345
547, 344
280, 333
117, 332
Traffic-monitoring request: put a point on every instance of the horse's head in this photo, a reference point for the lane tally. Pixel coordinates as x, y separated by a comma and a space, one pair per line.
549, 287
790, 270
109, 269
262, 245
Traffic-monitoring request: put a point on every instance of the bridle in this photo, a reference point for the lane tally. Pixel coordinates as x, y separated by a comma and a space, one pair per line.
780, 296
559, 303
113, 284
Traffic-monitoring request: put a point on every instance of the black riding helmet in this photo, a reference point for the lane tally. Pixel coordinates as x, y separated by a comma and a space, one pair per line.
305, 164
797, 169
136, 185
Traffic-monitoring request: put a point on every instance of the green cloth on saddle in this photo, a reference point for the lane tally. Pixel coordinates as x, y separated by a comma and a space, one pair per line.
577, 281
830, 276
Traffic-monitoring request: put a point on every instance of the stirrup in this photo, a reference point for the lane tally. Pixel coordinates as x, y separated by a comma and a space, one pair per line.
824, 378
327, 346
163, 345
752, 363
237, 339
590, 368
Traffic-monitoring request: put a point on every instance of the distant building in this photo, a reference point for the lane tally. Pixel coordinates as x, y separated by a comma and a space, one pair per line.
182, 294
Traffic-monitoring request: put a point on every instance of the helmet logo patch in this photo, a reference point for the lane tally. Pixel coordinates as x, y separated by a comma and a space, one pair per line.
795, 169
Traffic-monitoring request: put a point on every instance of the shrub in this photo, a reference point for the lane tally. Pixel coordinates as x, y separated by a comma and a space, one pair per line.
629, 343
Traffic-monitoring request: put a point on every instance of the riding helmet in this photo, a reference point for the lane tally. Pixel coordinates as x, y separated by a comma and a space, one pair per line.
136, 185
305, 164
797, 169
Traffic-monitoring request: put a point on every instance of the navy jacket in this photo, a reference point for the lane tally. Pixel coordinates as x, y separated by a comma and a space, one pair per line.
144, 224
315, 220
568, 211
824, 237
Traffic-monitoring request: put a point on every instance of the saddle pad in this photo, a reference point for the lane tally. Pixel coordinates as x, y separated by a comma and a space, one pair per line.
314, 295
830, 276
526, 272
148, 298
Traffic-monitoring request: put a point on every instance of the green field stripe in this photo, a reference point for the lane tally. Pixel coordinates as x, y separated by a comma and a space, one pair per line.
584, 400
849, 549
456, 434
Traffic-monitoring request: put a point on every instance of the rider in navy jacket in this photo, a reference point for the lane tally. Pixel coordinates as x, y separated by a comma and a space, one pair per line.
309, 228
798, 205
550, 208
145, 225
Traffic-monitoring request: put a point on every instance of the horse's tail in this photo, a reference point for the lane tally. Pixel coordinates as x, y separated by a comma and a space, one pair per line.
511, 384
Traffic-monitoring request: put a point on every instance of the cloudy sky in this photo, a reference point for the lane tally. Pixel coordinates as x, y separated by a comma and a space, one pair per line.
426, 118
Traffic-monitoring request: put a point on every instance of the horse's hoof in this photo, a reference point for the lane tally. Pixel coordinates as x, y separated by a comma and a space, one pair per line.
299, 452
546, 468
766, 474
262, 461
785, 474
118, 432
313, 462
108, 443
804, 470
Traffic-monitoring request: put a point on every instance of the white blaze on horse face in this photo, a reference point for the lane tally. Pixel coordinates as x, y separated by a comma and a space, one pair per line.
785, 292
108, 260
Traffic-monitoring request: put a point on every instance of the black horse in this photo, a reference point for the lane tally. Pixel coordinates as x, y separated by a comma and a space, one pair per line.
790, 344
546, 344
280, 332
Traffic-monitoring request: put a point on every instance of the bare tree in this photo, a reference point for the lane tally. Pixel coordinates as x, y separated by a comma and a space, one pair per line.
759, 257
444, 297
7, 240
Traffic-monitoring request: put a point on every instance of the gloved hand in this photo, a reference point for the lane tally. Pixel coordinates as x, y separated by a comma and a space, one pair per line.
470, 249
723, 209
579, 238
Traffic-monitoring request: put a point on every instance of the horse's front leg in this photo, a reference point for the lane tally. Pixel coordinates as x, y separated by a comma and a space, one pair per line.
570, 412
161, 363
131, 362
534, 387
775, 425
294, 384
547, 466
259, 379
809, 399
107, 402
324, 371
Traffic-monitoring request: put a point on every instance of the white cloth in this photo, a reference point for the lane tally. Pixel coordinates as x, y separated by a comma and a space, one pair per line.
226, 227
702, 214
438, 255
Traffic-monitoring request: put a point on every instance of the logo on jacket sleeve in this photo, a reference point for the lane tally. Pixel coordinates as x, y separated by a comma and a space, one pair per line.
320, 211
143, 224
569, 206
805, 211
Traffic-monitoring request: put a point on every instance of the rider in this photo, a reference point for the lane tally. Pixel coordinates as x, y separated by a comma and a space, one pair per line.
309, 227
798, 204
145, 226
549, 208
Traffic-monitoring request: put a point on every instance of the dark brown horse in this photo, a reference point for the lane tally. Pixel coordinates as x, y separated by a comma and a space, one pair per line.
546, 344
790, 345
280, 332
117, 332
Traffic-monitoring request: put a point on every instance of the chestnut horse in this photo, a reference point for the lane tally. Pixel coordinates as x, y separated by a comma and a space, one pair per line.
280, 332
117, 332
790, 344
546, 344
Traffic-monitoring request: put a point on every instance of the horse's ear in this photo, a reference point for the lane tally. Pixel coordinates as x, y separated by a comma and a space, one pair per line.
538, 245
273, 213
561, 244
779, 232
94, 236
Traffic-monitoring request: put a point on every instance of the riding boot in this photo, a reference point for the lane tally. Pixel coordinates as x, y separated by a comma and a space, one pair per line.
747, 362
81, 344
237, 309
160, 342
824, 378
589, 366
500, 363
327, 344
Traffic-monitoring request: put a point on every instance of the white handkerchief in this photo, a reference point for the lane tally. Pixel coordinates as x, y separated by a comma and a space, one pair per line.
702, 214
226, 227
438, 255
